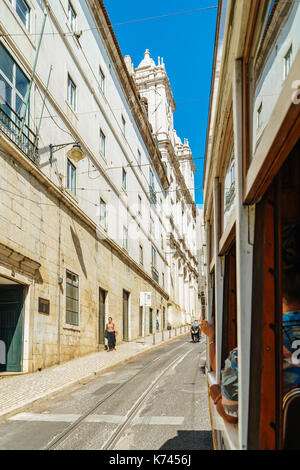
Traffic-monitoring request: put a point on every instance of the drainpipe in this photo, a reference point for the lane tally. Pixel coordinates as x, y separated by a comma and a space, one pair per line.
60, 282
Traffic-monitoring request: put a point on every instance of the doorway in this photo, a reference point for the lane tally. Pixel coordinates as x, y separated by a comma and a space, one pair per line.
125, 315
141, 321
150, 321
11, 325
101, 319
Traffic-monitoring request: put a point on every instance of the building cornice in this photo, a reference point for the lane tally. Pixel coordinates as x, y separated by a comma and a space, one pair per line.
24, 264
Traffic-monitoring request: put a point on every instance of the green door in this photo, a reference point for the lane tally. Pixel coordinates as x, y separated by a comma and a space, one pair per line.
125, 314
150, 321
11, 326
141, 312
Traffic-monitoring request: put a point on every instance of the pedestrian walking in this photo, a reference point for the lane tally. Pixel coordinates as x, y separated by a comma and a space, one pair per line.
111, 332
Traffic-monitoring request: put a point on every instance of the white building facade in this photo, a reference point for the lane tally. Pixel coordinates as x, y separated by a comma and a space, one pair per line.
178, 206
80, 240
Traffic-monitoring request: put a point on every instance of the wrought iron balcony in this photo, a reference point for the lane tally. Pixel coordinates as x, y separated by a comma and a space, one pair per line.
155, 274
229, 196
152, 195
10, 125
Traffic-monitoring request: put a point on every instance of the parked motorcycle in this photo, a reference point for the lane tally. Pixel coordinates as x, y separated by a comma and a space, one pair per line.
195, 332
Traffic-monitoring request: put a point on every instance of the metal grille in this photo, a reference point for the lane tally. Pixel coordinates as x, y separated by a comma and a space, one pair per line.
26, 140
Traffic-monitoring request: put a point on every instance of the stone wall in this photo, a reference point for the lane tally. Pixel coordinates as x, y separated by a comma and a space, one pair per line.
34, 223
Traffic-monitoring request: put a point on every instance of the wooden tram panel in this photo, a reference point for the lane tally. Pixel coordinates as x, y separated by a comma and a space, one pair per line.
264, 430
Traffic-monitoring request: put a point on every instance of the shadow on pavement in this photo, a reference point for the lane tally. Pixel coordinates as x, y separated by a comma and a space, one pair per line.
189, 440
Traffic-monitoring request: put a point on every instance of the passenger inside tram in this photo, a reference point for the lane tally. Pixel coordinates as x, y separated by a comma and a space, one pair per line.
225, 394
291, 306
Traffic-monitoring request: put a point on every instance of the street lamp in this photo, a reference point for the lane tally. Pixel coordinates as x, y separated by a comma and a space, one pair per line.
75, 153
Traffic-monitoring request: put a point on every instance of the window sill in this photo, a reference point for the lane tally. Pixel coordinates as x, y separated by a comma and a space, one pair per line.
102, 155
21, 24
72, 32
67, 326
74, 113
101, 91
72, 195
229, 431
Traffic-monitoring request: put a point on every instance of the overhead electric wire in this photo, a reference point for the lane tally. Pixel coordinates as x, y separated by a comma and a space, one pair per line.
196, 188
139, 20
52, 118
98, 111
128, 165
96, 169
167, 15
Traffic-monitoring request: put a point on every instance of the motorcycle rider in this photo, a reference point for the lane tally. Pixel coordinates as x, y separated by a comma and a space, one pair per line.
195, 330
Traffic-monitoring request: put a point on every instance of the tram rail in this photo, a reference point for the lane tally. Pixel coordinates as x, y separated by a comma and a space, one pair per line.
115, 436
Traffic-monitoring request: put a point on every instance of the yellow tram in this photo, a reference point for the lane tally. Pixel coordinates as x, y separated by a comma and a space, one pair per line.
252, 219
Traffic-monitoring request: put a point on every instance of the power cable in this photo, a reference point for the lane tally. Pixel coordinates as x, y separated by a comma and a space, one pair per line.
167, 15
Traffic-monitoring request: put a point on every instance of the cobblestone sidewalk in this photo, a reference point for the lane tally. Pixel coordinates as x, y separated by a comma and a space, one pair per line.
20, 391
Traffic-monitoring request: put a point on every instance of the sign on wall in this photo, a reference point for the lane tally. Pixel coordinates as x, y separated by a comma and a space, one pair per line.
44, 306
145, 299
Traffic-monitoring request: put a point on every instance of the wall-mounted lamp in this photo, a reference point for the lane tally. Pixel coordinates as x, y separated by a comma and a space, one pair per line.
75, 153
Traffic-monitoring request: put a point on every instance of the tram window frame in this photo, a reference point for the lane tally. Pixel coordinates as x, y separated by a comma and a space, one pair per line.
211, 319
265, 389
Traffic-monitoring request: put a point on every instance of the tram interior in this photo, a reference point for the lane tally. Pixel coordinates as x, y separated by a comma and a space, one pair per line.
274, 403
290, 283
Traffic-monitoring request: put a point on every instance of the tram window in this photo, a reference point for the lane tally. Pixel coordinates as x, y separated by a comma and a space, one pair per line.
212, 322
275, 302
291, 305
229, 336
290, 196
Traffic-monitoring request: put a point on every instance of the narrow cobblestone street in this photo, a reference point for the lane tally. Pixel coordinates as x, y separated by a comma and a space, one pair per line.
19, 391
157, 401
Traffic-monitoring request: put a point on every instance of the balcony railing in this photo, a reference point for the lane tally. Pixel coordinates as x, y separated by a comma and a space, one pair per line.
152, 195
229, 196
155, 274
26, 140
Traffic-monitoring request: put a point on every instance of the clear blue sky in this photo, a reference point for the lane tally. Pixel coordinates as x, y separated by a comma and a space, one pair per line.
186, 42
